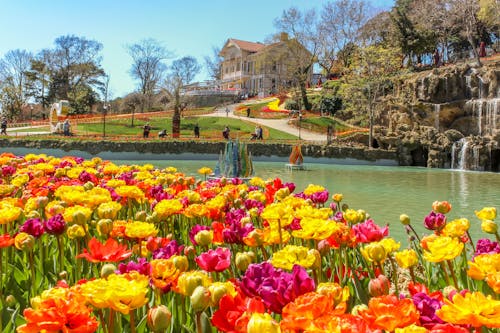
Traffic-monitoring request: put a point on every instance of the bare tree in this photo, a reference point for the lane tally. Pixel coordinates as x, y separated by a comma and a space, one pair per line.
181, 72
148, 67
465, 14
339, 28
213, 62
13, 68
302, 46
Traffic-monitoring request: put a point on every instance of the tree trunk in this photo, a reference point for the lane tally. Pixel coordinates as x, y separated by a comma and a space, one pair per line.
303, 93
176, 119
474, 50
176, 122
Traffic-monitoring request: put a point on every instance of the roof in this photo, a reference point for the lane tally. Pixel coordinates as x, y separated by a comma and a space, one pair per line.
247, 46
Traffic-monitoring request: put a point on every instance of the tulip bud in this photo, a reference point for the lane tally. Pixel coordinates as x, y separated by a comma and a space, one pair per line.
61, 172
262, 322
181, 263
361, 215
200, 299
159, 319
104, 227
75, 231
33, 215
107, 270
216, 293
79, 218
42, 201
449, 292
88, 186
193, 282
140, 216
10, 301
317, 256
323, 247
442, 207
379, 286
243, 260
223, 181
337, 197
24, 241
404, 219
489, 226
204, 237
189, 250
237, 203
152, 218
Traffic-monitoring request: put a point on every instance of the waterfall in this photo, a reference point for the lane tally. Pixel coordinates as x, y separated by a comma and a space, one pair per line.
437, 111
462, 156
491, 111
468, 87
453, 153
479, 116
421, 89
475, 158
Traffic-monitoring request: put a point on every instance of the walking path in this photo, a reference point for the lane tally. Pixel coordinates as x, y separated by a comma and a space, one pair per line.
279, 124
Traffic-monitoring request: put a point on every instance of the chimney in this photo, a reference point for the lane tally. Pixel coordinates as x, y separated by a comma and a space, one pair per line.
283, 37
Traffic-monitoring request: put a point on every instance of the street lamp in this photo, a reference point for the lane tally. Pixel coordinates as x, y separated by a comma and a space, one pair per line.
300, 120
31, 112
104, 111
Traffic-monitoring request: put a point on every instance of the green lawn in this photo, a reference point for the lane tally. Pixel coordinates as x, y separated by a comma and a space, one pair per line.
210, 127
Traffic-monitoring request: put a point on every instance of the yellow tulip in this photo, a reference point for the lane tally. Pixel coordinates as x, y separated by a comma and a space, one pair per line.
487, 213
406, 258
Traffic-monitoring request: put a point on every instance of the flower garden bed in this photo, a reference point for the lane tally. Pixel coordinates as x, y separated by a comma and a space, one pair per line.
90, 246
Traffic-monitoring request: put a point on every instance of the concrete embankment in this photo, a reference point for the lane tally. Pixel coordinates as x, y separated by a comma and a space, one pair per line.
195, 150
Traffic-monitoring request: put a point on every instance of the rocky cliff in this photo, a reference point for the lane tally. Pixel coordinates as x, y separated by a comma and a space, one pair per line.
446, 117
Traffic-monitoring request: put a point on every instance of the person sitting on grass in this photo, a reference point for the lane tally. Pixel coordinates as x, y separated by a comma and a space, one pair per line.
162, 134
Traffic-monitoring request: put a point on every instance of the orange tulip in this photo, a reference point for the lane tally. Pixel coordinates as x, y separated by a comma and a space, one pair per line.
111, 251
389, 312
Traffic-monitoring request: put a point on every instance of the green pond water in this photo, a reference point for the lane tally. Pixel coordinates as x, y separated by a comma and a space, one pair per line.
383, 192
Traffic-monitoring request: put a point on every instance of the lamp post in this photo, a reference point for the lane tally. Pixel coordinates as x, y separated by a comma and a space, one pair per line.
300, 120
31, 112
104, 111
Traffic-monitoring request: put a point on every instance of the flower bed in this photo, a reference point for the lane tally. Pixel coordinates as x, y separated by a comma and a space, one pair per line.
90, 246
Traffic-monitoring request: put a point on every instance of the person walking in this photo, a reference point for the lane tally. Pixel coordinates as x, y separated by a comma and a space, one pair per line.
259, 133
225, 133
196, 131
248, 112
227, 111
4, 126
66, 128
145, 131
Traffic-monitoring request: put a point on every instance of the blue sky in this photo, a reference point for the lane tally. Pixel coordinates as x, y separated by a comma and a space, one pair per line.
188, 27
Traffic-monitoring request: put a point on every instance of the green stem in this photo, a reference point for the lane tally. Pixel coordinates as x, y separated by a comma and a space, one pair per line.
132, 322
32, 269
443, 268
60, 249
111, 321
101, 319
199, 329
450, 266
471, 242
394, 275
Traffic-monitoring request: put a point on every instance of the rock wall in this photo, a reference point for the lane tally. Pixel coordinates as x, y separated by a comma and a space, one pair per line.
432, 115
159, 148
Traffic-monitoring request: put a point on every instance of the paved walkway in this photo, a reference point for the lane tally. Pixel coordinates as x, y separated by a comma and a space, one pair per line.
279, 124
